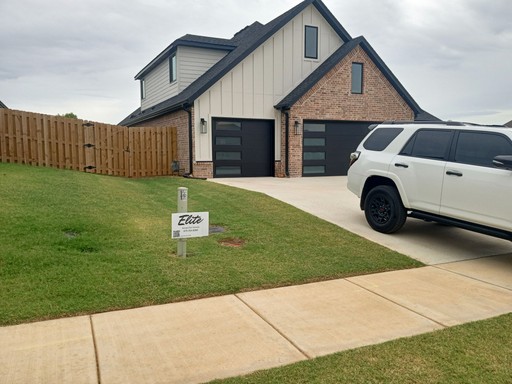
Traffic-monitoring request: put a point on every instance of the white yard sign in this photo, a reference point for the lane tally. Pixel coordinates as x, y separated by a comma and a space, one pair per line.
190, 224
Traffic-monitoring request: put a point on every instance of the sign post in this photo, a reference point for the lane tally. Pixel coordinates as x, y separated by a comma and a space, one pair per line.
182, 207
187, 224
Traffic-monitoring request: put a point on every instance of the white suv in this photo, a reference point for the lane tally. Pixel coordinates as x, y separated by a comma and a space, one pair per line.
453, 173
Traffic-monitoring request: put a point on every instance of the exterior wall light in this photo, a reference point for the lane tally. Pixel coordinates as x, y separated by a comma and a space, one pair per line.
204, 126
297, 128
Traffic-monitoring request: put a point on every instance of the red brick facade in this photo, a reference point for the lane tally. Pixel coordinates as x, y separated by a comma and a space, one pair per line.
329, 99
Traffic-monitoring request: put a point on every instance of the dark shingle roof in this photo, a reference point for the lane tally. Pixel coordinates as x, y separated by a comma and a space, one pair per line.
335, 58
240, 46
246, 41
2, 105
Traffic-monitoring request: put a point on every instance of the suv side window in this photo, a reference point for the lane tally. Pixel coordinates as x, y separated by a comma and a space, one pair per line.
381, 138
479, 148
429, 144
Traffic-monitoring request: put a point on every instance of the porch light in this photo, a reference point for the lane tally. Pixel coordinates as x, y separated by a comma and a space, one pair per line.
204, 126
297, 128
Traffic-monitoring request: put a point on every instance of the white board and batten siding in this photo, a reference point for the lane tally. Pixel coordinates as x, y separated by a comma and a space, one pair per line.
191, 64
261, 80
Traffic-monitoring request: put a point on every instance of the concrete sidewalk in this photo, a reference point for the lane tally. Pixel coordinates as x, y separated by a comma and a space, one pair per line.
201, 340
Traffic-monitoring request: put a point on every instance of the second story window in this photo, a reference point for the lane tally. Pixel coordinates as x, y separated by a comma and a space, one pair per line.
311, 42
173, 70
357, 78
142, 89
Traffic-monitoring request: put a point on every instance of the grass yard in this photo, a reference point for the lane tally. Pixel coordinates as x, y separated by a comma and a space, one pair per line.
75, 243
479, 352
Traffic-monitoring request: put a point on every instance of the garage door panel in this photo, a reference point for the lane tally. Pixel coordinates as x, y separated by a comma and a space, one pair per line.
337, 139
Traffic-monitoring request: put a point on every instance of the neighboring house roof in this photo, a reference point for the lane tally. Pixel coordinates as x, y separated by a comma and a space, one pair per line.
509, 124
2, 105
243, 44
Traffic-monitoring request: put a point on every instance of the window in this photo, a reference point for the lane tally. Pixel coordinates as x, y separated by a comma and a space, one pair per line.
357, 78
311, 42
314, 169
143, 89
312, 127
381, 138
429, 144
314, 142
314, 155
479, 148
173, 73
226, 140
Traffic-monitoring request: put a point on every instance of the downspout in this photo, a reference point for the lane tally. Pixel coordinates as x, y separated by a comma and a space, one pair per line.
190, 175
188, 109
286, 143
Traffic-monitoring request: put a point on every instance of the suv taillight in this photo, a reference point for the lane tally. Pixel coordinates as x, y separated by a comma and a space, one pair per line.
353, 157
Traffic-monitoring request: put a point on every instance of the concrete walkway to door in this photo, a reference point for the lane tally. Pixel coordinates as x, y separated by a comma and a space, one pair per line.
329, 199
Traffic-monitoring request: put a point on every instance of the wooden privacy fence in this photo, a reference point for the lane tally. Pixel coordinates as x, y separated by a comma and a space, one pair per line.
59, 142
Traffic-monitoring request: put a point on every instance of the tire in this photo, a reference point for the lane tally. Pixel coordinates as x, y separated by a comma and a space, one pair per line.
384, 210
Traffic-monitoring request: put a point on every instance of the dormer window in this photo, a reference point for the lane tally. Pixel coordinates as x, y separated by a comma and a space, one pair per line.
311, 42
173, 70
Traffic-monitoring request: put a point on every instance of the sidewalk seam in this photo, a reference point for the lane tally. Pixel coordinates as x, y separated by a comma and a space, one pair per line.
98, 374
396, 303
471, 277
274, 328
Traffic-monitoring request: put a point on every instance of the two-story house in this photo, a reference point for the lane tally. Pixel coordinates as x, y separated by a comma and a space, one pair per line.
292, 97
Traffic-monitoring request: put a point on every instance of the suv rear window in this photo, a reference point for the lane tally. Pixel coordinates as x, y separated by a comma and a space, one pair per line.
381, 138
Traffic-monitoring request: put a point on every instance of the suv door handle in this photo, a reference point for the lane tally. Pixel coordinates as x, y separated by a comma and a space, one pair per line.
402, 165
454, 173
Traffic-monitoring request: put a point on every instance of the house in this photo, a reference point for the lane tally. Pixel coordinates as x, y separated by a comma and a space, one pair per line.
292, 97
2, 105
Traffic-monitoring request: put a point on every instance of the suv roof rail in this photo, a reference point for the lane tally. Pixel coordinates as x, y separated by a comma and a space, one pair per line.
455, 123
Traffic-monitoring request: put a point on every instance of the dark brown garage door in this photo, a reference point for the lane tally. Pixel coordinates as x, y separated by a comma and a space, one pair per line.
243, 148
327, 146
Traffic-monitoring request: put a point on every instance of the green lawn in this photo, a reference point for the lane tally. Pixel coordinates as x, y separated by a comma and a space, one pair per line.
476, 353
75, 243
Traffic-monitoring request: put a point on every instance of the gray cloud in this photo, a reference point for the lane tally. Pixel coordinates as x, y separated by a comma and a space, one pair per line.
81, 56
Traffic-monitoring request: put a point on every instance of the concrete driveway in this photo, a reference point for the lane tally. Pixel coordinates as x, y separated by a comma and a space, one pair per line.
329, 199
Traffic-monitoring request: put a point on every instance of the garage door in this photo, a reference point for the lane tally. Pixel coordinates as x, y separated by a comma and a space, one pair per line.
243, 148
327, 146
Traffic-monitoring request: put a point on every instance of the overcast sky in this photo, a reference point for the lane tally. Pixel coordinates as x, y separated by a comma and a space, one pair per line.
58, 56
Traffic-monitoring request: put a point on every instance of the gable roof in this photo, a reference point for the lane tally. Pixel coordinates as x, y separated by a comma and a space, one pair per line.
288, 101
2, 105
240, 46
244, 43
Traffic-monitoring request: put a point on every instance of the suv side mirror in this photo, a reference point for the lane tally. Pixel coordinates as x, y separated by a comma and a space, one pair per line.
504, 162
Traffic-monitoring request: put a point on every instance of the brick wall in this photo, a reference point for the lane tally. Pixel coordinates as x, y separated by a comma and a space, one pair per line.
331, 99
